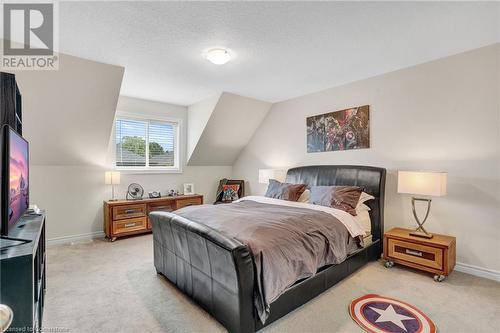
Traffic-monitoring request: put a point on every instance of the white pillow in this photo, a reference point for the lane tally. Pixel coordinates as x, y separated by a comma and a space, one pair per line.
363, 218
304, 197
361, 208
362, 199
365, 197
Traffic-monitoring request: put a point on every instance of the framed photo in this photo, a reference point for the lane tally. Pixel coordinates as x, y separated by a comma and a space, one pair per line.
340, 130
188, 188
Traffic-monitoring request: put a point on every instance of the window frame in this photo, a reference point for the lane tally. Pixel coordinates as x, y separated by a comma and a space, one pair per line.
177, 122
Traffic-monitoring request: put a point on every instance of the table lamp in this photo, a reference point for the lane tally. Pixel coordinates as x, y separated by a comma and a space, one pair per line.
112, 178
422, 183
266, 174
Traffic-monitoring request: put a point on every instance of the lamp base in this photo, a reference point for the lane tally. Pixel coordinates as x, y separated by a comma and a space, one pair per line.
421, 234
420, 231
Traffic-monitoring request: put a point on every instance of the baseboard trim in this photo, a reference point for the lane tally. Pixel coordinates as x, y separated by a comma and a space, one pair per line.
478, 271
75, 238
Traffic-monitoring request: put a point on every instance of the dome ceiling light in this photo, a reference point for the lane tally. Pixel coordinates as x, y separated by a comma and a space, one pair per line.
218, 56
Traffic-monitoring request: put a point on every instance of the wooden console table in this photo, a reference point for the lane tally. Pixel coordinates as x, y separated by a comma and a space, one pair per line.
130, 217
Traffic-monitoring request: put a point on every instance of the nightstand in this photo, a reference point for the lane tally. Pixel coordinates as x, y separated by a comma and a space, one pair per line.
436, 255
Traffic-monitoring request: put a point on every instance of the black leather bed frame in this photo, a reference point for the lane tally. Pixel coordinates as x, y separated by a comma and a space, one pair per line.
217, 271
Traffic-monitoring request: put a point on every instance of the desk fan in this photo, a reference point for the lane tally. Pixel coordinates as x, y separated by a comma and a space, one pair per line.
135, 192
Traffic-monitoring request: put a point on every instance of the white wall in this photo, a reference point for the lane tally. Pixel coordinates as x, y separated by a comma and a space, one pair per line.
232, 123
68, 113
205, 179
198, 116
73, 194
72, 197
442, 115
67, 117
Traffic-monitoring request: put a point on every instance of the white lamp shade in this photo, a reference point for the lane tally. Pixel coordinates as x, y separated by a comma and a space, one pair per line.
266, 174
422, 183
112, 178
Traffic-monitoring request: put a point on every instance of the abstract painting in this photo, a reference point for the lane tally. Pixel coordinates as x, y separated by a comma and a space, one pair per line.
339, 130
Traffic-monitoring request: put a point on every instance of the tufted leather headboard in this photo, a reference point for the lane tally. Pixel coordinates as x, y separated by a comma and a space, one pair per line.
371, 179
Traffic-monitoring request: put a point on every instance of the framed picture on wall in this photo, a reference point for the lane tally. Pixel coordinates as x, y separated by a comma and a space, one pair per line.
188, 188
340, 130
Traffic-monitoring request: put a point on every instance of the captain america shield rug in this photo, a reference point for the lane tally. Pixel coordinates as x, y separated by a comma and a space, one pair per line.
378, 314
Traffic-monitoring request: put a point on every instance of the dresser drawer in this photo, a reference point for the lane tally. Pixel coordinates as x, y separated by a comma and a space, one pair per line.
128, 225
162, 207
129, 211
188, 202
427, 256
168, 206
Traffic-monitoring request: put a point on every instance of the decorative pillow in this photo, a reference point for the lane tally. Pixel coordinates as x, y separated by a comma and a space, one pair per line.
230, 193
284, 191
304, 197
341, 197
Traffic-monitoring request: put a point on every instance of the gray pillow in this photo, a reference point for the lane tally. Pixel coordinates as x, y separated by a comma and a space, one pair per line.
341, 197
284, 191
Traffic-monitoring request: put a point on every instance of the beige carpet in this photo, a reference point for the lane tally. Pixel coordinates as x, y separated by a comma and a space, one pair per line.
113, 287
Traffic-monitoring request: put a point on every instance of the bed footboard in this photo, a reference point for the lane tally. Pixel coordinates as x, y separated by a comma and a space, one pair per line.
214, 270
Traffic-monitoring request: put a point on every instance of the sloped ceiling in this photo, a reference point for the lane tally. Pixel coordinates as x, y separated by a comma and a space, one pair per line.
228, 129
68, 113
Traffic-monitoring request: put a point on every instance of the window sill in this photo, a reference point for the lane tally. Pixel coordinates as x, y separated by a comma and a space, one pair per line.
146, 171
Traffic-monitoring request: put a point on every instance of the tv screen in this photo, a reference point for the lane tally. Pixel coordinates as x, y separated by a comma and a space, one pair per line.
16, 189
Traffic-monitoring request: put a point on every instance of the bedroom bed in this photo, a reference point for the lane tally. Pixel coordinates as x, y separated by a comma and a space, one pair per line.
224, 276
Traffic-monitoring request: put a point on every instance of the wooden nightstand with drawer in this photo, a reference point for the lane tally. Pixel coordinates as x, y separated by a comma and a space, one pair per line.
130, 217
436, 255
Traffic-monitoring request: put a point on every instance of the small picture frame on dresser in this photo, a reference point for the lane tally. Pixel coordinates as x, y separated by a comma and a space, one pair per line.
188, 188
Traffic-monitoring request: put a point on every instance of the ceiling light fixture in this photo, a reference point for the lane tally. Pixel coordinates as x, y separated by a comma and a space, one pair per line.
218, 56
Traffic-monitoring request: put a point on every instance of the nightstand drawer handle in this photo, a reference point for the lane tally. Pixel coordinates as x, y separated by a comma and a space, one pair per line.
129, 211
414, 253
162, 207
128, 225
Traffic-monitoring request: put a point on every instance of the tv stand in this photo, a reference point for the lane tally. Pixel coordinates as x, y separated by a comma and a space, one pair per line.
22, 272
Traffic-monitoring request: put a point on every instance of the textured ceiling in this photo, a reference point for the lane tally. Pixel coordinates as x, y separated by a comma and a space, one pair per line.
284, 49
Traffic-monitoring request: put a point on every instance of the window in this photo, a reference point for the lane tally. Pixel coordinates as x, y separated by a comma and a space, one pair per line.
147, 144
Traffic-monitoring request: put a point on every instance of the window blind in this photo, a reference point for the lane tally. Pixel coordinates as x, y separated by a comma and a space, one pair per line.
161, 144
145, 143
130, 143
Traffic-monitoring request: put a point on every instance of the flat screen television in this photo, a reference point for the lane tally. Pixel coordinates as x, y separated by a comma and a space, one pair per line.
15, 178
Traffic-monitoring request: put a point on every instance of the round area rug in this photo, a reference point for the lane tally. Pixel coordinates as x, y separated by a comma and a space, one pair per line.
378, 314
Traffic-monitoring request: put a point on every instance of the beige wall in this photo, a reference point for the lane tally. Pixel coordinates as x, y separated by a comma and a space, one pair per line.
442, 115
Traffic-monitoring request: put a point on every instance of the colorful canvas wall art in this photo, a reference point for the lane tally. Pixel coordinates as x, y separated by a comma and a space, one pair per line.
339, 130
